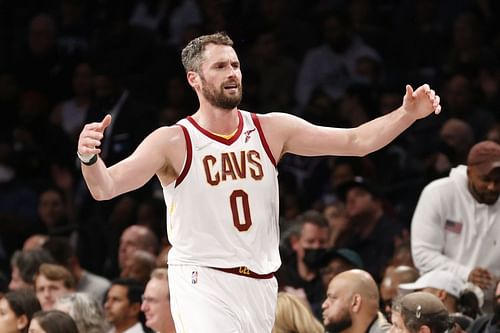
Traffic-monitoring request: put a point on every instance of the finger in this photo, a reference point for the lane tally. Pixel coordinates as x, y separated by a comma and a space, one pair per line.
431, 93
437, 100
409, 91
104, 123
84, 150
438, 109
92, 134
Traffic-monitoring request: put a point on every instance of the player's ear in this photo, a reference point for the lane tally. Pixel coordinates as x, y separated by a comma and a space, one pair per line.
193, 79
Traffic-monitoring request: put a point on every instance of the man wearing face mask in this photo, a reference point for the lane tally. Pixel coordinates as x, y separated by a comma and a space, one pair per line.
309, 246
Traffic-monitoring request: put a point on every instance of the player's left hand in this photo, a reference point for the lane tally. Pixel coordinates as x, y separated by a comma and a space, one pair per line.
421, 102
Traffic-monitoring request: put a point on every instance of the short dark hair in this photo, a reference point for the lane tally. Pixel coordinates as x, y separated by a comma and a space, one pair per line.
313, 217
23, 302
135, 289
192, 54
28, 262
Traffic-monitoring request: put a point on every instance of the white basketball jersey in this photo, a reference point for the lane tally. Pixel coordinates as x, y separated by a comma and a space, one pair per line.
223, 208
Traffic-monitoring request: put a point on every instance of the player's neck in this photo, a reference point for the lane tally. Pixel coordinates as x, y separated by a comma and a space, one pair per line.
218, 121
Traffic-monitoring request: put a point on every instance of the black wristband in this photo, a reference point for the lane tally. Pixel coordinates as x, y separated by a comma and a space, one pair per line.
91, 161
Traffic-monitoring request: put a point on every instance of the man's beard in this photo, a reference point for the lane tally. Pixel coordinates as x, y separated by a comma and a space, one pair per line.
339, 325
218, 98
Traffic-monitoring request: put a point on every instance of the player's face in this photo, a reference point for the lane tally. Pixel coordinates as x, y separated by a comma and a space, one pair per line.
484, 187
336, 315
221, 77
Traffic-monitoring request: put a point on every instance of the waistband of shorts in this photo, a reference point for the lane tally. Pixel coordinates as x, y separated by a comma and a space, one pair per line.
244, 271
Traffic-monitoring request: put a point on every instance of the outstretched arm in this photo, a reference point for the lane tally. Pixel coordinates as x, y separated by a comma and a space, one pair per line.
152, 156
294, 135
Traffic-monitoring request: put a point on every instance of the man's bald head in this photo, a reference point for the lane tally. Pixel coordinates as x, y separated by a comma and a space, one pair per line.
360, 282
352, 302
136, 237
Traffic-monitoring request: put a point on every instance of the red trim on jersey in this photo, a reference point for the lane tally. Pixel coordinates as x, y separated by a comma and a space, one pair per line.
189, 156
216, 137
256, 122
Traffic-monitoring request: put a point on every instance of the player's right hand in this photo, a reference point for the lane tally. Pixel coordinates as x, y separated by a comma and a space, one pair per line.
91, 136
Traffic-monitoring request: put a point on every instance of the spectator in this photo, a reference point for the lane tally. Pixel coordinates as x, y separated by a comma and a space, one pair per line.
156, 303
85, 310
85, 281
17, 309
123, 306
136, 237
419, 312
371, 233
292, 316
50, 282
309, 247
442, 284
393, 277
25, 265
337, 261
352, 304
490, 322
139, 266
52, 322
453, 213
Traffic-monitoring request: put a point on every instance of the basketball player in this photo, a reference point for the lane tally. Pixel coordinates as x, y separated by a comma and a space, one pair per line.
218, 172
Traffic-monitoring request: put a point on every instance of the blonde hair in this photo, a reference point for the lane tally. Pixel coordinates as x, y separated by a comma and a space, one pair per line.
292, 316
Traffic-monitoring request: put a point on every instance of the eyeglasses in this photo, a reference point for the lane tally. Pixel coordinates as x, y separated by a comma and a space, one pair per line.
150, 300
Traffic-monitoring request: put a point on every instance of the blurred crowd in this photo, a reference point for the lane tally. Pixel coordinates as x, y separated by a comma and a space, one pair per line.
336, 63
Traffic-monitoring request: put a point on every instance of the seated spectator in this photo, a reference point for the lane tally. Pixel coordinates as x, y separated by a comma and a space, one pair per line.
139, 266
443, 284
51, 282
85, 281
24, 266
34, 242
372, 232
419, 312
156, 303
17, 309
85, 310
337, 261
133, 238
393, 277
123, 306
293, 316
52, 322
309, 246
489, 322
352, 304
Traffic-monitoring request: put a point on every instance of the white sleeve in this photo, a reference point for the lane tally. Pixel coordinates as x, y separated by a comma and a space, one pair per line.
428, 233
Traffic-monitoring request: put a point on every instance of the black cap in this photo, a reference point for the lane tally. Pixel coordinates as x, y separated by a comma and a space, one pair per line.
359, 182
348, 255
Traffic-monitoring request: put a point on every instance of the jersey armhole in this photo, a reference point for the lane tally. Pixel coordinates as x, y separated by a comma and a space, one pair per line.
189, 156
256, 122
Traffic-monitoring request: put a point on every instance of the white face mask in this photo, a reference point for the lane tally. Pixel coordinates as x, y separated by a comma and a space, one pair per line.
6, 173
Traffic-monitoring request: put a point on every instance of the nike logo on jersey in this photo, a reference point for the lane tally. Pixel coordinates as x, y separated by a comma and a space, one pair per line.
247, 134
200, 147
